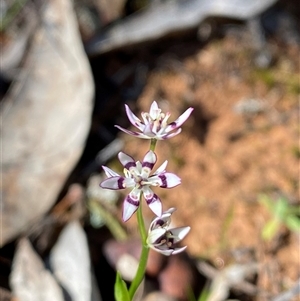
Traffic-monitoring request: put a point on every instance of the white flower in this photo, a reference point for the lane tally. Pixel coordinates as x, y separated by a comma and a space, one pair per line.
137, 177
155, 123
164, 240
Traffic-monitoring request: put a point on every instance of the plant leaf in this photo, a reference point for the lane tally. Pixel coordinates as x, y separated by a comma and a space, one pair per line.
121, 291
281, 208
270, 229
293, 223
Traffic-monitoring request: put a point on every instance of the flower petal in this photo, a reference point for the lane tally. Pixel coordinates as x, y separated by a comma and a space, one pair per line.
129, 207
155, 235
109, 172
135, 134
164, 250
178, 250
148, 163
179, 121
155, 205
148, 130
161, 168
113, 183
134, 119
164, 240
127, 161
161, 222
154, 110
148, 193
179, 233
128, 182
170, 135
135, 194
169, 211
164, 122
165, 180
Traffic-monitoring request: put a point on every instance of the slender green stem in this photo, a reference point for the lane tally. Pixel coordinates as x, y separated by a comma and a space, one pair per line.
141, 223
153, 144
145, 249
112, 224
144, 255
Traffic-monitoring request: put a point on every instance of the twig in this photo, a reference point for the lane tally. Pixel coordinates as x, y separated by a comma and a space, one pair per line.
289, 294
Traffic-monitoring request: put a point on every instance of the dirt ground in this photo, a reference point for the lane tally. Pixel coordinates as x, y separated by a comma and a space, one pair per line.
241, 141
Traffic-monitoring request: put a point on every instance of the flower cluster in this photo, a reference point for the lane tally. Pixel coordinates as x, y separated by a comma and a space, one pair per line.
139, 178
154, 124
164, 240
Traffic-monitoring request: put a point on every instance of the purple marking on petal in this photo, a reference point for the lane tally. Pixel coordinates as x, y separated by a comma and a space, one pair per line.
155, 198
183, 117
148, 164
168, 180
177, 123
130, 164
160, 222
172, 125
155, 205
149, 159
152, 200
120, 183
128, 210
132, 201
126, 160
163, 180
114, 183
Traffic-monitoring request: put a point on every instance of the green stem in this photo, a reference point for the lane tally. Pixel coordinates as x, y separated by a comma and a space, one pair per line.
145, 249
144, 255
112, 224
153, 144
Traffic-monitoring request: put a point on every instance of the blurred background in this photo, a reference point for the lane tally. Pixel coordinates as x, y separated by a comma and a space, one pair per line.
68, 68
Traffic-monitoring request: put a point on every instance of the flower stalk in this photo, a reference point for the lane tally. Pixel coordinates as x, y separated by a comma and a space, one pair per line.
145, 249
153, 144
144, 255
160, 237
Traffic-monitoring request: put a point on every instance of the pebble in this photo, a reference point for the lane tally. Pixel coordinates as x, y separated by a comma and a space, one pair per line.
114, 251
177, 278
158, 296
